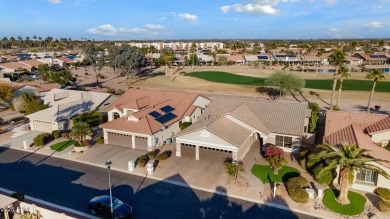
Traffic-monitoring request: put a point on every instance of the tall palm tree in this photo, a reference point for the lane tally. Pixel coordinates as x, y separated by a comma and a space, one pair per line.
193, 49
344, 73
222, 60
349, 158
80, 130
336, 59
376, 75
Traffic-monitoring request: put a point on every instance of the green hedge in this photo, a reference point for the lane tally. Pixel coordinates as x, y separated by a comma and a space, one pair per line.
42, 139
56, 134
302, 158
142, 160
295, 189
384, 206
162, 156
326, 178
93, 118
100, 139
185, 125
152, 155
384, 193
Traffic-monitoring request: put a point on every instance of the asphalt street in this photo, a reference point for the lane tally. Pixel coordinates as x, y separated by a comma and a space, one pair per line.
72, 185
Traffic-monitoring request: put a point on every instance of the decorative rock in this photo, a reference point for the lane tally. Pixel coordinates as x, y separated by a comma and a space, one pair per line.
130, 165
310, 192
149, 168
320, 193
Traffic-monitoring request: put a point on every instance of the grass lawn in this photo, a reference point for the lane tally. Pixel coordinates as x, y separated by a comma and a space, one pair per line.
356, 205
266, 174
60, 146
228, 78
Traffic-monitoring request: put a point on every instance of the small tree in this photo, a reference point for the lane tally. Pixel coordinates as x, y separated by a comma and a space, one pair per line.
315, 112
286, 82
275, 157
233, 168
6, 92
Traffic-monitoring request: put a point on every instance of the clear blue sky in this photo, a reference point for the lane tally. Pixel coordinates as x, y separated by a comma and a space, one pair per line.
196, 19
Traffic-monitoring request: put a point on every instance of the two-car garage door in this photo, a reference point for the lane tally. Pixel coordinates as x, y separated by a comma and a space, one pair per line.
125, 140
205, 153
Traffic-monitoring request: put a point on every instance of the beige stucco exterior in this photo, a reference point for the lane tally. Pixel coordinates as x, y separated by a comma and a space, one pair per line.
381, 137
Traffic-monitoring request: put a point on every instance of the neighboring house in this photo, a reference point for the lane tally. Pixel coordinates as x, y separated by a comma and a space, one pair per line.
63, 61
260, 58
286, 58
384, 68
230, 126
63, 106
367, 131
238, 59
41, 89
378, 58
143, 119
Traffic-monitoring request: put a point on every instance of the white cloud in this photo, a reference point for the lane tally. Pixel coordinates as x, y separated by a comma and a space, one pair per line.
260, 7
154, 26
55, 1
331, 2
188, 17
170, 33
336, 33
109, 30
225, 9
373, 25
255, 9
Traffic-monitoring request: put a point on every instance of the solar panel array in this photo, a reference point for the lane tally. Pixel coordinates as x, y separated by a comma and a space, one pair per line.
167, 109
262, 57
166, 118
155, 114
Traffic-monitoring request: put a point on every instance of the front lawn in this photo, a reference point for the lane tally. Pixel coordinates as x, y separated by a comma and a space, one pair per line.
60, 146
356, 205
266, 174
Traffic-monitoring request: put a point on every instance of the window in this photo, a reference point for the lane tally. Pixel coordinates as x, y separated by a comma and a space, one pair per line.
366, 176
283, 141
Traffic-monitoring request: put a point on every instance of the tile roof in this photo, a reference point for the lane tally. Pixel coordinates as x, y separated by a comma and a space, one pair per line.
381, 125
65, 59
147, 101
32, 63
14, 65
354, 128
13, 85
43, 87
265, 116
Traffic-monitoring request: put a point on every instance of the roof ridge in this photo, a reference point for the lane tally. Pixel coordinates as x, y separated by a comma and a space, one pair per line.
147, 122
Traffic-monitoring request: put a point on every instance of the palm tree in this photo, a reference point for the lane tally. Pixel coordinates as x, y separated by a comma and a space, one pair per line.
344, 73
167, 57
193, 48
44, 72
336, 59
376, 75
349, 159
222, 60
80, 130
233, 168
381, 44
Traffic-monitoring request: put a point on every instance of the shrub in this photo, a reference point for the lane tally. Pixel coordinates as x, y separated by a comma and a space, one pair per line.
86, 143
311, 161
16, 119
335, 108
65, 135
111, 91
384, 206
295, 189
302, 158
185, 125
326, 178
76, 144
93, 118
100, 139
384, 193
100, 86
315, 112
162, 156
56, 134
18, 195
39, 141
275, 157
142, 160
11, 107
152, 155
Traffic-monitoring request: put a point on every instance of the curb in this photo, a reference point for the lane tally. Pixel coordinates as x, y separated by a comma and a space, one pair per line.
189, 186
52, 205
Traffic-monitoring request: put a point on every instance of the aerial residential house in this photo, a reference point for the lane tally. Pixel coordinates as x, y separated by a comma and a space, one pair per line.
143, 119
377, 58
367, 131
237, 59
63, 106
229, 127
63, 61
285, 59
260, 58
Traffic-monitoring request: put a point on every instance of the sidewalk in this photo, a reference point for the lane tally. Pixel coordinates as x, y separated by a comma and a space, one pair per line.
201, 175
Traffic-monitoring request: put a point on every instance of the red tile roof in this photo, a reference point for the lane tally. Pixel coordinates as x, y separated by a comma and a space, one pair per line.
43, 87
13, 85
354, 128
146, 101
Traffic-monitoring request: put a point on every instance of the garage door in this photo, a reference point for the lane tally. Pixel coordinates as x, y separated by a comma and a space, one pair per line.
119, 139
213, 154
42, 126
188, 150
141, 143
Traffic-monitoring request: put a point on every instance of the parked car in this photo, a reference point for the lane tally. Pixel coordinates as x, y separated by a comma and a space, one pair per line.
100, 205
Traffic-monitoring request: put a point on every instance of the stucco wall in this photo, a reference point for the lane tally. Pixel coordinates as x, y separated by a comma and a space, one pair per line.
378, 137
165, 134
245, 147
296, 141
201, 102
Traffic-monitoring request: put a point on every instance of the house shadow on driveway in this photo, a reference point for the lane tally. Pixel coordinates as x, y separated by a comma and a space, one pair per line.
72, 185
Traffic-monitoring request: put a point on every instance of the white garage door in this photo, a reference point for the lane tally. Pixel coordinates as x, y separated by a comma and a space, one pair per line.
42, 126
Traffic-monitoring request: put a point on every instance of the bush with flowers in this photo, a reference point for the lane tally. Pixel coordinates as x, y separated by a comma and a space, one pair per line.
275, 157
